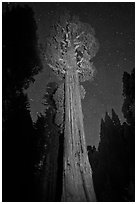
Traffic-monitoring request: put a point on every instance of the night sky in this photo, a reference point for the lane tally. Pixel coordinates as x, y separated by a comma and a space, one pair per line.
114, 24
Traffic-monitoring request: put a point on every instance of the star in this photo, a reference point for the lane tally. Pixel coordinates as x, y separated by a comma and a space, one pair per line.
125, 59
117, 51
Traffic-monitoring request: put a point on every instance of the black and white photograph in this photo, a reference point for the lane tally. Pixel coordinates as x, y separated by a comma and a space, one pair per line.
68, 101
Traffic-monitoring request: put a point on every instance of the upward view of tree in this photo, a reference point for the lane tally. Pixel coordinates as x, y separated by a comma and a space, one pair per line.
70, 48
45, 157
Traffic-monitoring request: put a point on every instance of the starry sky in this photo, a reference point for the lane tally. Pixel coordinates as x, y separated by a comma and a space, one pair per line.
114, 24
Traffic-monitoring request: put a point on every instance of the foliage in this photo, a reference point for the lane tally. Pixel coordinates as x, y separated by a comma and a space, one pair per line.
72, 44
38, 95
59, 101
128, 108
19, 56
113, 163
46, 155
115, 118
31, 150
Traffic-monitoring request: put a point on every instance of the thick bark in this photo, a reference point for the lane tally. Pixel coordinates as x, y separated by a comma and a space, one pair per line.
77, 175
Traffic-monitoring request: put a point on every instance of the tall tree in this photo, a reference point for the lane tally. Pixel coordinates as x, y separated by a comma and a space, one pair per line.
46, 146
19, 56
42, 109
111, 175
128, 110
128, 107
70, 47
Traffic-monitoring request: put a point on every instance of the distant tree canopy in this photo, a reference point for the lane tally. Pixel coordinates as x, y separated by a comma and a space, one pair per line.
47, 150
128, 108
20, 55
113, 163
19, 44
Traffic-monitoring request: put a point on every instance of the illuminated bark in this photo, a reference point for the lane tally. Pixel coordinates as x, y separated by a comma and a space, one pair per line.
77, 175
70, 48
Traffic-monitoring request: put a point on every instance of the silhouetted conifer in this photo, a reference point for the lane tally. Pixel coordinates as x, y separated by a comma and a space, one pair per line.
128, 107
19, 46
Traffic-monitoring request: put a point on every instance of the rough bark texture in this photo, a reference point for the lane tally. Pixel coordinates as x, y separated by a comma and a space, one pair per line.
77, 175
70, 48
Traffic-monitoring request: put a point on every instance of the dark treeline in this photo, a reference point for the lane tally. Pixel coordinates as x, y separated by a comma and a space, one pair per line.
19, 55
32, 154
113, 163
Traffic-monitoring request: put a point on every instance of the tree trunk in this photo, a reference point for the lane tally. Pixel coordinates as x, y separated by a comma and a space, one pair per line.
77, 175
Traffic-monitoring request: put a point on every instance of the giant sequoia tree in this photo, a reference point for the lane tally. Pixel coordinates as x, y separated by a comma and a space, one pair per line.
70, 48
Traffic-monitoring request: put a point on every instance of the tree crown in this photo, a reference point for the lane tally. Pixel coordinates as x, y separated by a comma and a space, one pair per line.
72, 45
